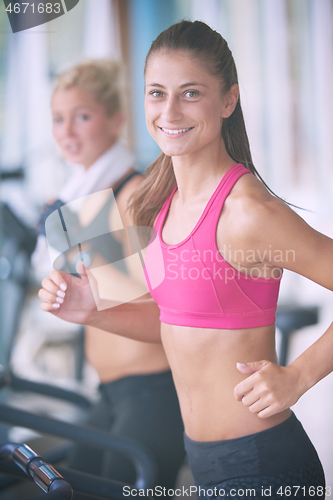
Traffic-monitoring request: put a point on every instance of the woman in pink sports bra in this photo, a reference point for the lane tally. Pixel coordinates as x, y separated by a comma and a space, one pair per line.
213, 296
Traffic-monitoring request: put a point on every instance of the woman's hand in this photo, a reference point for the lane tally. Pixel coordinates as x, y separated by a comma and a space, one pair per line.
68, 297
269, 388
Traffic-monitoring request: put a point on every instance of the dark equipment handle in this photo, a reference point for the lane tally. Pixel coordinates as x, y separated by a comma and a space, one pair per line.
142, 461
43, 474
289, 319
20, 384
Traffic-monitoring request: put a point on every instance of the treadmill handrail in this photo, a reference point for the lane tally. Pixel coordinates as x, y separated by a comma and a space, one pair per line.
43, 474
143, 462
20, 384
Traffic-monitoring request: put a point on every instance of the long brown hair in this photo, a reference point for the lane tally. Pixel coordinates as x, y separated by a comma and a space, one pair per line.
209, 46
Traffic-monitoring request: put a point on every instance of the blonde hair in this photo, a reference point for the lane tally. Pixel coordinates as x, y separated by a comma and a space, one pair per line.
100, 77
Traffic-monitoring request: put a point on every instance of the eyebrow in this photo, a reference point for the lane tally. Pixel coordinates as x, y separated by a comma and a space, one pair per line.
76, 108
189, 84
82, 106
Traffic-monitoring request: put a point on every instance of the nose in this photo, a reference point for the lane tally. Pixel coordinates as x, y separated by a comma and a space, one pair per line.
68, 129
172, 110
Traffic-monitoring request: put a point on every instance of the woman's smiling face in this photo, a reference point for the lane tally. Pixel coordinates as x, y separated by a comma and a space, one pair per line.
81, 126
183, 103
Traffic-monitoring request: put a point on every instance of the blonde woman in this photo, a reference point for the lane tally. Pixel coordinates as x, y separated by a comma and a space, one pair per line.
138, 398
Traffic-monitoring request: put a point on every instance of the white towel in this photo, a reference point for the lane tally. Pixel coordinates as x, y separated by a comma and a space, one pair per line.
105, 172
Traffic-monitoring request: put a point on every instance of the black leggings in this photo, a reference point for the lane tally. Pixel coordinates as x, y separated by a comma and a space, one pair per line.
142, 407
277, 463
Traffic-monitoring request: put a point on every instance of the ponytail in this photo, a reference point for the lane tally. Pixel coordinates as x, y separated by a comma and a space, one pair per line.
149, 197
237, 143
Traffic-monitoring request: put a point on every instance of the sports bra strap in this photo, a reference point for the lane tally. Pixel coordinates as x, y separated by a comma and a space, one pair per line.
220, 194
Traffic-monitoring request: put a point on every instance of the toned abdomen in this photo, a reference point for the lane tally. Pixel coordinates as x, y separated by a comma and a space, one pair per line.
203, 362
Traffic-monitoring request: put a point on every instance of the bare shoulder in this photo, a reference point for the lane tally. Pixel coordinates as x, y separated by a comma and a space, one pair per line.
254, 220
127, 191
124, 195
251, 207
119, 216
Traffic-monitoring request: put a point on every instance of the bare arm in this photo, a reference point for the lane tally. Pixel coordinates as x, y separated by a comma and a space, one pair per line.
281, 239
100, 297
312, 258
71, 299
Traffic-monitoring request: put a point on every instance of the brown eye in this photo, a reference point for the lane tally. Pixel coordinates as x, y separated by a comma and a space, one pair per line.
191, 93
156, 93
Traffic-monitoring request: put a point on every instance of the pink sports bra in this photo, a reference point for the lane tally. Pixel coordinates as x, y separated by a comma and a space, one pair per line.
192, 283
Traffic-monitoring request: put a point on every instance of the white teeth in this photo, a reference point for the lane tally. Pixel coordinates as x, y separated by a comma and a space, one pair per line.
174, 132
72, 147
